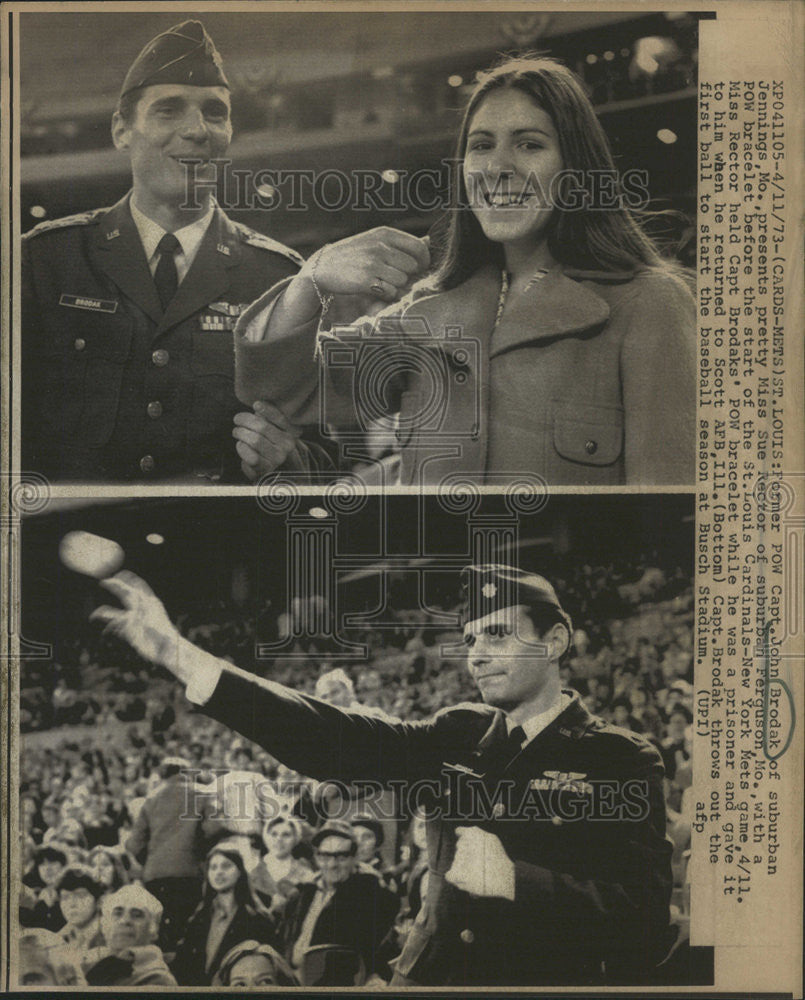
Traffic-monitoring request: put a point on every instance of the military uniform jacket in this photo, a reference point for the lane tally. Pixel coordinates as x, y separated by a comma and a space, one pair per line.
580, 811
112, 387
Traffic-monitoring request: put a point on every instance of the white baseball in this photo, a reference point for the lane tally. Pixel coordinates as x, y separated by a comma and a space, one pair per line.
90, 554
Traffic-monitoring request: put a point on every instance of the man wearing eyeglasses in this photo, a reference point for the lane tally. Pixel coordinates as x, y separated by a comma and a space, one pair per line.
548, 860
341, 906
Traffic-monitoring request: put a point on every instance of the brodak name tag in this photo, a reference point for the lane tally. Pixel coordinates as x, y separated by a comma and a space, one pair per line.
222, 315
87, 302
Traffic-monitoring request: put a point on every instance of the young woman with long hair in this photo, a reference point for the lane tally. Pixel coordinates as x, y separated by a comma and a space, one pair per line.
551, 337
228, 914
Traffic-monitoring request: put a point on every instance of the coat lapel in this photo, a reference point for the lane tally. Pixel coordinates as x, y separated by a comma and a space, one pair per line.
556, 306
467, 311
118, 251
209, 277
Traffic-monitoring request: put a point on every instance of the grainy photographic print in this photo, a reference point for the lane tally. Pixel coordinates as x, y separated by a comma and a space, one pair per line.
403, 501
445, 243
339, 741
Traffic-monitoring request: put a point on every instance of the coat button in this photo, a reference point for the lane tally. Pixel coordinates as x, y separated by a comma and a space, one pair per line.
498, 809
147, 463
160, 357
591, 447
79, 343
556, 820
467, 936
154, 409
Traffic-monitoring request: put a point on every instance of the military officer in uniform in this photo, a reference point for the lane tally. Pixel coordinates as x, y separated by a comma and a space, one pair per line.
548, 858
128, 363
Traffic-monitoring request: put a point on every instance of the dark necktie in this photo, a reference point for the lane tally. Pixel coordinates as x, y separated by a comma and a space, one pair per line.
503, 750
165, 277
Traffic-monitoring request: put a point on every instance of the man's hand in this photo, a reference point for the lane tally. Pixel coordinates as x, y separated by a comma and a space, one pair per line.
264, 438
481, 865
142, 622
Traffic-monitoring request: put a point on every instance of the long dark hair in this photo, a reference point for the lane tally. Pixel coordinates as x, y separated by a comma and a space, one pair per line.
589, 239
243, 894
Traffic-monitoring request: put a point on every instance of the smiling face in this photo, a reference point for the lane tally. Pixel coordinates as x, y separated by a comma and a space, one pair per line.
507, 659
251, 971
222, 874
511, 158
172, 122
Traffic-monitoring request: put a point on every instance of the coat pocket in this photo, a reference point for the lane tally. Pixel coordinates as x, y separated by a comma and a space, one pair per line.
78, 375
586, 433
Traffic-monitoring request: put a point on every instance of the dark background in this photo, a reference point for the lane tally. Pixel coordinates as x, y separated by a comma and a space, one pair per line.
361, 90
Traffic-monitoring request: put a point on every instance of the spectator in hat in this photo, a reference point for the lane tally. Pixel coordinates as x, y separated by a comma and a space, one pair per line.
228, 914
554, 902
79, 897
167, 839
341, 906
130, 956
279, 873
370, 836
251, 964
127, 312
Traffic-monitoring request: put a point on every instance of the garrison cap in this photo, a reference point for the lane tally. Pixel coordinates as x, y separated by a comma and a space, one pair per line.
489, 587
183, 54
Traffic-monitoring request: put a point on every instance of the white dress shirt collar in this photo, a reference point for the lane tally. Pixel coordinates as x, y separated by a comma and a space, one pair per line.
189, 238
534, 725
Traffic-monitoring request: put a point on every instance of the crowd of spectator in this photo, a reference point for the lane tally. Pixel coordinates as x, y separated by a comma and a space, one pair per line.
160, 848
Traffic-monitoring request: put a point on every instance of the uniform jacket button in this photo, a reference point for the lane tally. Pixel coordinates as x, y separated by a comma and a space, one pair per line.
591, 447
154, 409
467, 936
147, 463
79, 343
160, 357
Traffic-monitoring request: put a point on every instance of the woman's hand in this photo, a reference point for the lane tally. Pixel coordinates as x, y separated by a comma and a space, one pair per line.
381, 262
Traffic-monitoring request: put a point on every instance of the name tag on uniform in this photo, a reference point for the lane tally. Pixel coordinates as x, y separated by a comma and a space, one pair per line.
86, 302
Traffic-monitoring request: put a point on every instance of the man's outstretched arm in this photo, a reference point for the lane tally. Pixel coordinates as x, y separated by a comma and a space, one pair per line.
306, 734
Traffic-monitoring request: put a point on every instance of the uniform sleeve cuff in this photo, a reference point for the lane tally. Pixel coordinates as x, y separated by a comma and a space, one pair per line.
204, 681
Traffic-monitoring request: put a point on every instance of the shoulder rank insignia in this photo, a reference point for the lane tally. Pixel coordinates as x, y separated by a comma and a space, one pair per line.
255, 239
79, 219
